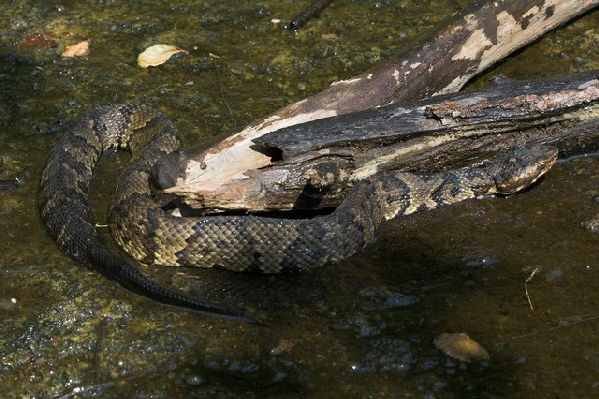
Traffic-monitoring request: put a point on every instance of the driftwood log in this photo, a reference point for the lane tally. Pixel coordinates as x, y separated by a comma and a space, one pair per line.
241, 171
315, 162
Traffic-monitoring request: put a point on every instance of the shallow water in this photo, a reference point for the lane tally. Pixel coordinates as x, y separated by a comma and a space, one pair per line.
364, 328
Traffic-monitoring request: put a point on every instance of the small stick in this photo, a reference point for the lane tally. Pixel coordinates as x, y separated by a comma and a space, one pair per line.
526, 287
309, 12
220, 85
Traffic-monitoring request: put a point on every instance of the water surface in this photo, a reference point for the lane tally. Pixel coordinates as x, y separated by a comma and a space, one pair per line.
363, 328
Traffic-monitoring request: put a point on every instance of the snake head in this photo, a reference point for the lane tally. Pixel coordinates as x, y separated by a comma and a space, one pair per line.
520, 168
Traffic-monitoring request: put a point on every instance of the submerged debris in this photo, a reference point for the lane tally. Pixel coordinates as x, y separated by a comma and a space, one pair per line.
308, 13
591, 225
385, 298
460, 346
157, 54
38, 41
8, 185
80, 49
386, 354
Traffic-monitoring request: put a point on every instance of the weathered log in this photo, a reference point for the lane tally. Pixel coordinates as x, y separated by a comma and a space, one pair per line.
318, 160
462, 47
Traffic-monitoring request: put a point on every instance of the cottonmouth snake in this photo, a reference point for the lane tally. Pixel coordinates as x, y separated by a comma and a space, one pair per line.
249, 243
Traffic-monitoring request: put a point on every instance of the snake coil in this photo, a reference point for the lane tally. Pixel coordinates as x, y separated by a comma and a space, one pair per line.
242, 243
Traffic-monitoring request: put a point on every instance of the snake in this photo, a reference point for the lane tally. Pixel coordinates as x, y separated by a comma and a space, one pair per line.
153, 236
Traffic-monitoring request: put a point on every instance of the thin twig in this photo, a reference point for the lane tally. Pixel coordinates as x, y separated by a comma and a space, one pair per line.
308, 13
526, 287
220, 88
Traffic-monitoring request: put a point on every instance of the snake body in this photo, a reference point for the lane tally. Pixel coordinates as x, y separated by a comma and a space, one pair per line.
241, 243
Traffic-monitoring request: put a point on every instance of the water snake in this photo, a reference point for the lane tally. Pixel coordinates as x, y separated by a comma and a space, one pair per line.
243, 243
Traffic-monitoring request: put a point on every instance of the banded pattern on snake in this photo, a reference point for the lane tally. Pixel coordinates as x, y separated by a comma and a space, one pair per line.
242, 243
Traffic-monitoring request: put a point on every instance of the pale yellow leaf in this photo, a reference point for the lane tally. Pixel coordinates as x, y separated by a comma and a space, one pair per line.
460, 346
77, 50
157, 54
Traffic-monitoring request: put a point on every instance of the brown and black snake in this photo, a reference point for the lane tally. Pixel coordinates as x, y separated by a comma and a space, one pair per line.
242, 243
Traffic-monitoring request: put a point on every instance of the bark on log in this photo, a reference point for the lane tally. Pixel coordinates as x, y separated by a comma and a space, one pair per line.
465, 45
320, 159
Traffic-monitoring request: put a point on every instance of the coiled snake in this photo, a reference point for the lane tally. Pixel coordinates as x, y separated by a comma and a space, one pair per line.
243, 243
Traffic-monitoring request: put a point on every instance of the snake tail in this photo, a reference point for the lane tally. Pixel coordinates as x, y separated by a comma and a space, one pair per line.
64, 198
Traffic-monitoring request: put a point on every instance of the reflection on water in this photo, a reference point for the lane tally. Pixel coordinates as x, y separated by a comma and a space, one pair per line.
364, 328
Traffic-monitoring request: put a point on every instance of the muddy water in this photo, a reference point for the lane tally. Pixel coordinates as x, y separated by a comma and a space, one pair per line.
364, 328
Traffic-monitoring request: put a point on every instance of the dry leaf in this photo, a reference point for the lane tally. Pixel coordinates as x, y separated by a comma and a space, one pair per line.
157, 55
39, 41
460, 346
77, 50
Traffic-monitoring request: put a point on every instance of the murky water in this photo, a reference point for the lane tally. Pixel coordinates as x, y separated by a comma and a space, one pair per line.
364, 328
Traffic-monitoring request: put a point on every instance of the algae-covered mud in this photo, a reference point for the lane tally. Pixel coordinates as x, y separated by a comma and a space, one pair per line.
518, 275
